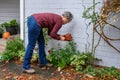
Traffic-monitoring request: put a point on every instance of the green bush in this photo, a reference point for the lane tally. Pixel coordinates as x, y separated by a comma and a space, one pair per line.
8, 55
61, 56
105, 73
5, 25
15, 45
13, 23
69, 56
1, 30
13, 49
78, 60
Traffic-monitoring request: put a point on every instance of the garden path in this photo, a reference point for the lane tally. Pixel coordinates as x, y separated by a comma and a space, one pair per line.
2, 44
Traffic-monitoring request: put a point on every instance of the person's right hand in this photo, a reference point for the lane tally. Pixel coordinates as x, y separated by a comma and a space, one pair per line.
62, 38
68, 37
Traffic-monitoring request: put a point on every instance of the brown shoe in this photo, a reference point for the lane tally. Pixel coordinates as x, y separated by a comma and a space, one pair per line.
49, 65
43, 67
30, 71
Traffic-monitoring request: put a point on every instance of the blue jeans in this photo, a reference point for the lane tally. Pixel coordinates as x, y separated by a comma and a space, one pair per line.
35, 34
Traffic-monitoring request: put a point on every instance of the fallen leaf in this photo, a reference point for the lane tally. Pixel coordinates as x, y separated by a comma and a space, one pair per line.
33, 77
5, 69
8, 75
6, 61
63, 77
22, 77
59, 69
89, 76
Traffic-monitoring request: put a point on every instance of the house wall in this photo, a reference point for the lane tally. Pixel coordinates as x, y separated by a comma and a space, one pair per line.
9, 9
77, 28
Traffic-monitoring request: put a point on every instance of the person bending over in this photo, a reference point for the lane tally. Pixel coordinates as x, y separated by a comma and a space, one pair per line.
36, 22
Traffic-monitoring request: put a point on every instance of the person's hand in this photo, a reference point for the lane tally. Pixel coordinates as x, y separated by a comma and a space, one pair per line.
68, 37
62, 38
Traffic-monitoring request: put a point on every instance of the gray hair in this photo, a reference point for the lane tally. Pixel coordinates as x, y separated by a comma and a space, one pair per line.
68, 15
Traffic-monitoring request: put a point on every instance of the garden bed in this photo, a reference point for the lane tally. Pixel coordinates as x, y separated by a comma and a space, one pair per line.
69, 64
13, 71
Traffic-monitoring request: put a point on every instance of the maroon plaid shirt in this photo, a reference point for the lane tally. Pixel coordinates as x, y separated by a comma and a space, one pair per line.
51, 21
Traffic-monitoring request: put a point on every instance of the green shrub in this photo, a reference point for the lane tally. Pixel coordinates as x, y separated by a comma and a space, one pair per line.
61, 56
13, 49
8, 55
15, 45
105, 73
69, 56
1, 30
78, 60
13, 23
5, 25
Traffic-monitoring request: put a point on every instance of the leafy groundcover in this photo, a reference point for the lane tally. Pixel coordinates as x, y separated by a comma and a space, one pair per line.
69, 64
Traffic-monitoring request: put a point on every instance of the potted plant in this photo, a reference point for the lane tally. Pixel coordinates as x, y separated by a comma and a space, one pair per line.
11, 26
5, 25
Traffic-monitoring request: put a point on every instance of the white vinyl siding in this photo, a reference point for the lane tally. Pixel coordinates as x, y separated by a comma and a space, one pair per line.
77, 27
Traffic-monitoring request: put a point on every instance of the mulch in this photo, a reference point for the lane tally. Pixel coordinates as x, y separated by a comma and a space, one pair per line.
13, 71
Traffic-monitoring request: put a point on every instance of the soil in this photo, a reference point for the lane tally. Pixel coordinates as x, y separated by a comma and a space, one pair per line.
13, 71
